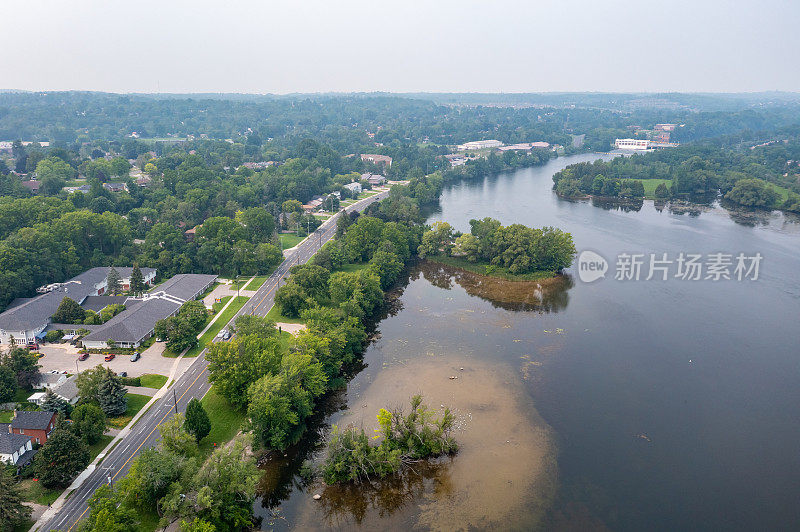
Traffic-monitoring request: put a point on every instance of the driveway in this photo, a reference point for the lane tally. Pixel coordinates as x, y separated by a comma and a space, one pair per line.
224, 290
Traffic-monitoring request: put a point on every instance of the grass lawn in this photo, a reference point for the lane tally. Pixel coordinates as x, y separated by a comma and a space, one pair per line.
782, 192
221, 322
494, 271
217, 306
366, 194
290, 240
153, 380
256, 283
275, 315
101, 444
225, 421
651, 184
6, 416
34, 492
135, 403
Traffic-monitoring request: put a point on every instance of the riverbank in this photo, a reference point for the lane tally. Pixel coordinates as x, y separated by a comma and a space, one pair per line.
490, 270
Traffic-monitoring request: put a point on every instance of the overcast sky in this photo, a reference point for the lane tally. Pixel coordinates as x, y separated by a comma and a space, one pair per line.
442, 46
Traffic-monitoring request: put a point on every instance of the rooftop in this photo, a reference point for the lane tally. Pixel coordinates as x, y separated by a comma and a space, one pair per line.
34, 312
35, 420
11, 443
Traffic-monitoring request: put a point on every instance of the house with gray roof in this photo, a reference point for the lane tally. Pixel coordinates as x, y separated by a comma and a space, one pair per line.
26, 319
36, 424
135, 324
15, 449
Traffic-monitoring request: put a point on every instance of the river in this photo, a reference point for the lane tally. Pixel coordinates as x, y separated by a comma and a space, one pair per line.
618, 404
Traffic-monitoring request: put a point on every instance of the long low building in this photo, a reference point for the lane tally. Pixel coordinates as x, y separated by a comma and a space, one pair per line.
132, 326
27, 318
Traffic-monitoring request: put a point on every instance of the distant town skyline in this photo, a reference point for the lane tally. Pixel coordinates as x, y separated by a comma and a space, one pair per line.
412, 46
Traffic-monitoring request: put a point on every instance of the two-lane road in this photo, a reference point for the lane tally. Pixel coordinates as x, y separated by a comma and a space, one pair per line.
193, 383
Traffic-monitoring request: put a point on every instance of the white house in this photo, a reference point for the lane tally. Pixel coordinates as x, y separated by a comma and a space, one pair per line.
67, 389
15, 449
49, 380
353, 187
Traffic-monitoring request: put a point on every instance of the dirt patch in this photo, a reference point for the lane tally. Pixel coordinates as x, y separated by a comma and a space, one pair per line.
504, 475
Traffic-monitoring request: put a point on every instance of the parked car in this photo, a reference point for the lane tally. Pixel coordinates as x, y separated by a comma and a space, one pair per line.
135, 356
83, 356
123, 374
110, 357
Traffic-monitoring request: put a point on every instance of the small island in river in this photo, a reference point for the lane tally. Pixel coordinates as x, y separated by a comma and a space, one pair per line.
514, 253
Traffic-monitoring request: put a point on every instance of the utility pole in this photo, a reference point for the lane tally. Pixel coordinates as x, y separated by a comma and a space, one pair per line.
76, 367
175, 398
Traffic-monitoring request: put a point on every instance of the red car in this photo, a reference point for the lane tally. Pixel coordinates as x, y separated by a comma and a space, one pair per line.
109, 358
83, 356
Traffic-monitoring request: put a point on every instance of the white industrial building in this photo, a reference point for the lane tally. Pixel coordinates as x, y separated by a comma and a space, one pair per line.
632, 144
479, 145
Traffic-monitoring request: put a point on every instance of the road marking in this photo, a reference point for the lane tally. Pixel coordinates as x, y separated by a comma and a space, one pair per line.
137, 449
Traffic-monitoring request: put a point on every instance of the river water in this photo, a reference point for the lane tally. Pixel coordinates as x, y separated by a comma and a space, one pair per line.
617, 404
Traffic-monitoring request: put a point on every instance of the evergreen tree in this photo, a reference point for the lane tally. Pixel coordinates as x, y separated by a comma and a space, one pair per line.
55, 403
12, 511
69, 312
63, 456
114, 282
197, 422
137, 280
112, 396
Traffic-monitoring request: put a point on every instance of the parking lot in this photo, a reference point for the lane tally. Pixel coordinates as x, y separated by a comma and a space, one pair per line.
63, 357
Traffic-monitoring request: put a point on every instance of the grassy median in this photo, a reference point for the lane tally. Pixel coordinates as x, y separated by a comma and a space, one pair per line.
222, 321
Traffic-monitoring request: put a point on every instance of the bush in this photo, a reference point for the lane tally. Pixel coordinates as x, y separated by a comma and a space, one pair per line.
53, 336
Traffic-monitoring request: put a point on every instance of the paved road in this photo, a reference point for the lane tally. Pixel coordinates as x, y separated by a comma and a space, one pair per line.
192, 383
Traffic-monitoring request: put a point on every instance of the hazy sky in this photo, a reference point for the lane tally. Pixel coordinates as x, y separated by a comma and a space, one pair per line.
350, 45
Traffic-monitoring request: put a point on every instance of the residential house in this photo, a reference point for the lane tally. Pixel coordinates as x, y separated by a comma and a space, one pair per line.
313, 205
32, 185
376, 159
37, 425
48, 380
375, 180
116, 187
15, 449
67, 389
83, 189
354, 188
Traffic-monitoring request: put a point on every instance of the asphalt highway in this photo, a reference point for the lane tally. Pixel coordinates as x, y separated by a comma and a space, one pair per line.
193, 383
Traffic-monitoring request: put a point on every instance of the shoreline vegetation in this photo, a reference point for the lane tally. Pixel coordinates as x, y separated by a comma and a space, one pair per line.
486, 269
764, 178
273, 385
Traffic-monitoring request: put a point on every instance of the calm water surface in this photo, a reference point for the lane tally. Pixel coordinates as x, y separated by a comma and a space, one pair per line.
666, 404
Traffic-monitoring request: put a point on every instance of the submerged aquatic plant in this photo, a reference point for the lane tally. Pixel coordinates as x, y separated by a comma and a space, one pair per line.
406, 438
